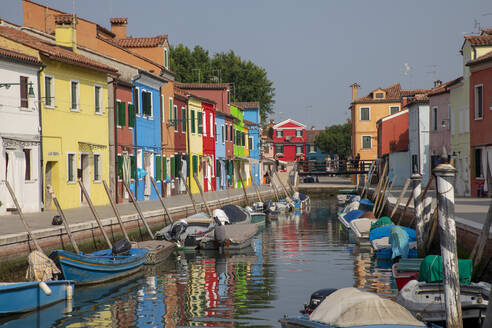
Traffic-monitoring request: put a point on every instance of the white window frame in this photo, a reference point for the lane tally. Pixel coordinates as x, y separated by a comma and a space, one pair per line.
204, 123
74, 167
435, 114
170, 103
213, 166
163, 105
279, 132
475, 87
52, 90
100, 112
312, 149
389, 109
215, 131
360, 113
300, 136
228, 97
301, 152
362, 142
77, 96
212, 125
139, 101
99, 167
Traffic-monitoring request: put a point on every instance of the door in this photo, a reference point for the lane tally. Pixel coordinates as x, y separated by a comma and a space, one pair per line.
85, 176
48, 181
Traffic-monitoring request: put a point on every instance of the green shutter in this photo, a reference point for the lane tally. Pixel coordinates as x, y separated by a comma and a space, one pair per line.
157, 161
231, 172
121, 113
131, 115
164, 167
183, 117
173, 168
192, 121
120, 167
170, 109
200, 125
195, 164
132, 166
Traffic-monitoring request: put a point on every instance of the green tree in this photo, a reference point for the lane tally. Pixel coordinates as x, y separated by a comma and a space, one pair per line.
249, 82
336, 140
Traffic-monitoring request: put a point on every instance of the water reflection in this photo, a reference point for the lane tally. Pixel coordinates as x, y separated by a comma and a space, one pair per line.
294, 256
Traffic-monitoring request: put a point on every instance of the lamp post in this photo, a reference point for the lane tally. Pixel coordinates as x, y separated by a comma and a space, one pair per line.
30, 91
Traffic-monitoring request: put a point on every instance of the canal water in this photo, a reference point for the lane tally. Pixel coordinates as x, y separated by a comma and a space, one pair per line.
293, 257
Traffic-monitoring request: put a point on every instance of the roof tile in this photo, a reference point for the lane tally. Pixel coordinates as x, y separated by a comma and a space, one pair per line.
118, 20
64, 19
248, 104
311, 135
211, 86
19, 56
482, 59
143, 42
479, 40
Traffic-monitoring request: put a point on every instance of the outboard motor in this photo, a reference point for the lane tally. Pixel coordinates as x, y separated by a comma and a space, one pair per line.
316, 298
221, 216
219, 234
267, 206
121, 248
177, 230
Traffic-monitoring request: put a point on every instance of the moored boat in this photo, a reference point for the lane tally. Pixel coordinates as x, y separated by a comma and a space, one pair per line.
405, 270
346, 218
380, 241
237, 236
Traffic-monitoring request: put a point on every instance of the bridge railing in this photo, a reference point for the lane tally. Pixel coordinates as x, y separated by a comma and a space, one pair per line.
334, 167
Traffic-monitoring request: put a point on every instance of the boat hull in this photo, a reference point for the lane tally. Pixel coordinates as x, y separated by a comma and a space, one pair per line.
302, 322
28, 296
99, 266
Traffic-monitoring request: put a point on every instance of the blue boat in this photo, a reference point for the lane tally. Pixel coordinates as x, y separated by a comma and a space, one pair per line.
346, 218
19, 297
99, 266
380, 241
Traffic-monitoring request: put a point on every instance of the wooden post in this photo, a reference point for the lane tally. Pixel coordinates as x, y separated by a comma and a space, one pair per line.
201, 194
402, 215
380, 182
21, 215
282, 184
189, 194
417, 205
96, 216
49, 189
385, 196
434, 223
256, 189
244, 189
397, 204
161, 200
478, 249
379, 193
445, 174
369, 177
115, 210
273, 186
139, 211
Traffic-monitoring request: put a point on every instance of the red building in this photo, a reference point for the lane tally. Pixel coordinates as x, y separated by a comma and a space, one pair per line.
480, 124
289, 138
393, 133
209, 135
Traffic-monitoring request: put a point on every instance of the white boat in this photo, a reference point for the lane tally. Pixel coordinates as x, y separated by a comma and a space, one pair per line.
361, 227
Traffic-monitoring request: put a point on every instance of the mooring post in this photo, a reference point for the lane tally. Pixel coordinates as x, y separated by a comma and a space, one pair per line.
190, 194
417, 207
209, 211
478, 249
445, 174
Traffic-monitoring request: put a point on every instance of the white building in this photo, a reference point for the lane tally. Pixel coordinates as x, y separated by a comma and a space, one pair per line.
20, 147
418, 133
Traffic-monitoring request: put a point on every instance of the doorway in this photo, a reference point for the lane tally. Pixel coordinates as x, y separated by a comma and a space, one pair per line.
48, 182
85, 176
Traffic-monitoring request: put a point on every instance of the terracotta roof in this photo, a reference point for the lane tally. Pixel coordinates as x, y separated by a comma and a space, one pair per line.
482, 59
249, 123
413, 92
118, 20
237, 105
487, 31
201, 98
418, 99
64, 19
248, 104
211, 86
143, 42
311, 135
479, 40
52, 51
17, 56
180, 93
392, 93
444, 87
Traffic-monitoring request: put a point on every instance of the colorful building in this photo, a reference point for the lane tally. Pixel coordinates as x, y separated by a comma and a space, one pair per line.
180, 136
209, 135
289, 138
252, 120
238, 147
20, 138
195, 141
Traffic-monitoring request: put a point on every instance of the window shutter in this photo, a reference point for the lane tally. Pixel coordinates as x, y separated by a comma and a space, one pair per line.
121, 114
195, 164
157, 160
23, 92
200, 127
173, 168
131, 115
164, 168
170, 109
192, 121
120, 167
132, 166
183, 117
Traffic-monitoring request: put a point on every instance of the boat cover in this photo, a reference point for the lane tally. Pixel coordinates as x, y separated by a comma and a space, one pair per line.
383, 221
352, 215
409, 265
354, 198
349, 307
302, 197
366, 202
234, 213
398, 240
41, 267
385, 231
431, 269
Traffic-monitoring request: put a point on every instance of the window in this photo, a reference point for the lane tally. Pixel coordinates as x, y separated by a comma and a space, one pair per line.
434, 118
212, 131
204, 123
379, 95
298, 149
27, 157
365, 114
98, 99
250, 143
366, 142
478, 102
74, 96
415, 164
158, 165
394, 109
215, 132
199, 123
231, 135
280, 133
279, 149
49, 99
139, 159
478, 163
165, 57
121, 113
97, 167
223, 133
192, 121
24, 100
228, 97
135, 101
183, 117
299, 133
146, 103
131, 116
71, 167
312, 149
175, 115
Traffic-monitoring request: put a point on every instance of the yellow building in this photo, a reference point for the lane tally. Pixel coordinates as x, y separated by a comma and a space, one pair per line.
195, 142
74, 115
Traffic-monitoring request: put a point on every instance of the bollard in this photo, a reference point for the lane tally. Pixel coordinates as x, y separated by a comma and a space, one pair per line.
417, 205
445, 174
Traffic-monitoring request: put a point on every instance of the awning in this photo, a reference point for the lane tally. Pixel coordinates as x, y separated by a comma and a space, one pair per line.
19, 141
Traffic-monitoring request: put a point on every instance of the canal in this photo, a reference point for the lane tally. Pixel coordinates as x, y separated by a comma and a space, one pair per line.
294, 256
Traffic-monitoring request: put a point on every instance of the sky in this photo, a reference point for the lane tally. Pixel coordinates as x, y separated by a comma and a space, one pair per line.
312, 50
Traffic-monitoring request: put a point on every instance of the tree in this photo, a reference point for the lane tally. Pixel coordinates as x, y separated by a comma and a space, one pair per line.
336, 140
249, 82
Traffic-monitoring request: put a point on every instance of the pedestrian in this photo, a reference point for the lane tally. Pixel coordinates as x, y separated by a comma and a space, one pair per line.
357, 159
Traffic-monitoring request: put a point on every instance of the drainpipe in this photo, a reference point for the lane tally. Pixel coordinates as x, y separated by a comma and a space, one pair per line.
162, 120
41, 178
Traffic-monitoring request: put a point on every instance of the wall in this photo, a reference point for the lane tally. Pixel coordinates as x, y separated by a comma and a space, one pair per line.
419, 138
196, 144
393, 134
289, 139
400, 165
439, 138
209, 147
220, 151
168, 130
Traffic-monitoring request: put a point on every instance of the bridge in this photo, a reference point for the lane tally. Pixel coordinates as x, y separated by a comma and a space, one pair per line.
333, 167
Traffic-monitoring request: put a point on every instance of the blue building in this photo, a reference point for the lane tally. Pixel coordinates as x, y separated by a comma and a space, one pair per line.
313, 152
252, 121
220, 151
147, 134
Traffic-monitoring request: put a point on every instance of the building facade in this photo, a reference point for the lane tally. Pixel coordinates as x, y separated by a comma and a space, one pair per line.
209, 135
418, 132
252, 120
289, 138
195, 141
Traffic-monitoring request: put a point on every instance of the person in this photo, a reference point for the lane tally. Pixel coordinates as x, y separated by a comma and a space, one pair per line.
356, 161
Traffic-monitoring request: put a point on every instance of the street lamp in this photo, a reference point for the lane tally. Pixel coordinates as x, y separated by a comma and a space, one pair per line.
30, 91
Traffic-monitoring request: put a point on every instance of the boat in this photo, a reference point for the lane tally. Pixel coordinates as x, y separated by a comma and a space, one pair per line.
405, 270
100, 266
366, 205
351, 307
257, 217
238, 236
349, 216
362, 226
300, 200
234, 214
20, 297
158, 250
380, 241
353, 205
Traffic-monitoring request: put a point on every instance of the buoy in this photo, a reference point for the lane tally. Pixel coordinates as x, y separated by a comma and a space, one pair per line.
44, 287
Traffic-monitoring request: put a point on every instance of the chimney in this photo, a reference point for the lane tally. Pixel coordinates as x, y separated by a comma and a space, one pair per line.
437, 83
118, 26
65, 31
355, 88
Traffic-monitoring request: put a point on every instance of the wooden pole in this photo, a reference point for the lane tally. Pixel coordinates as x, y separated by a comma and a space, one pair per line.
201, 194
379, 193
369, 177
21, 215
282, 184
445, 174
96, 216
139, 211
402, 215
256, 189
115, 210
380, 182
189, 194
417, 205
273, 186
397, 204
478, 249
434, 221
244, 189
161, 200
385, 196
64, 219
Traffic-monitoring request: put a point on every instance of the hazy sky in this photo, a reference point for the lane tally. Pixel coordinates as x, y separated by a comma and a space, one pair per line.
312, 49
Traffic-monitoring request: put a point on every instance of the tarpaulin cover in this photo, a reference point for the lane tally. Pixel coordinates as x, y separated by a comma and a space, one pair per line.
348, 307
351, 206
398, 239
352, 215
41, 267
431, 269
302, 196
234, 213
386, 230
383, 221
366, 202
354, 198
